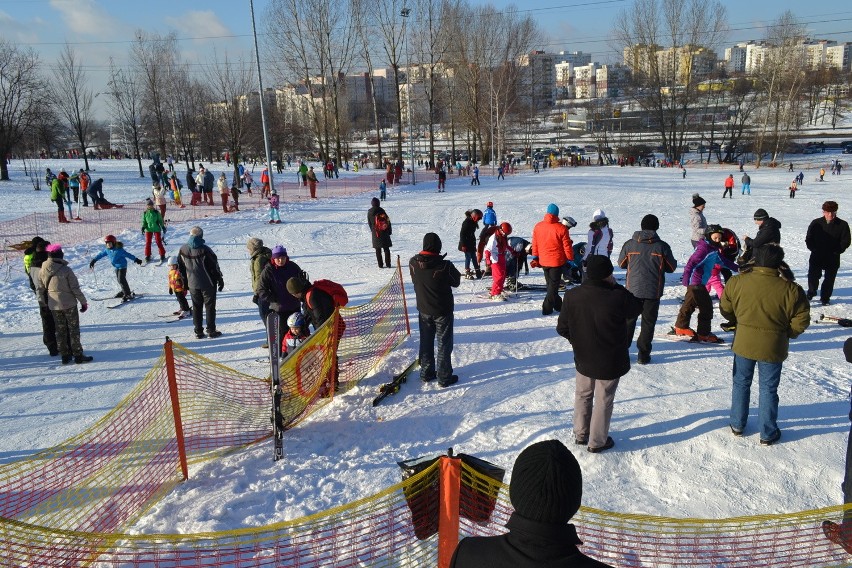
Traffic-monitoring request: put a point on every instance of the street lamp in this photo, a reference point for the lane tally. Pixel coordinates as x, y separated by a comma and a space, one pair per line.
269, 168
405, 12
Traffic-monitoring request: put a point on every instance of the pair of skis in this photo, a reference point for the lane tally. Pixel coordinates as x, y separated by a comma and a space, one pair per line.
842, 322
395, 384
273, 339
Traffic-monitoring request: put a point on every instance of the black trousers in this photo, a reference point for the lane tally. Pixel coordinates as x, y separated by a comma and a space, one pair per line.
552, 301
387, 260
650, 311
48, 328
203, 304
826, 268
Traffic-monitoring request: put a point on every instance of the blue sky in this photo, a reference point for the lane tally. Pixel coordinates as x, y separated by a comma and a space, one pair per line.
100, 29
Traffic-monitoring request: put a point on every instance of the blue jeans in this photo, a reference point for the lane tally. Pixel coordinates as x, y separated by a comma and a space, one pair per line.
769, 375
470, 260
432, 327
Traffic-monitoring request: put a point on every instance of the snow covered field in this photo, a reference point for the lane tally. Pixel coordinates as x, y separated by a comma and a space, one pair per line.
674, 454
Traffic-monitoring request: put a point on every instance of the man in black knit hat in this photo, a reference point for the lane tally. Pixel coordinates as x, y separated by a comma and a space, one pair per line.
546, 490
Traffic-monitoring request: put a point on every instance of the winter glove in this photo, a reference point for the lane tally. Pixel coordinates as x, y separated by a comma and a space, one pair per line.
534, 263
92, 265
138, 261
221, 285
171, 291
84, 307
254, 299
275, 307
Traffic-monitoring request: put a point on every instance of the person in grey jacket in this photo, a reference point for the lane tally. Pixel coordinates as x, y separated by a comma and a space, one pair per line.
200, 269
696, 219
58, 289
647, 260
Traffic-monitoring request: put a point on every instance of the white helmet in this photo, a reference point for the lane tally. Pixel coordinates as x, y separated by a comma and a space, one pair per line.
296, 320
569, 222
173, 261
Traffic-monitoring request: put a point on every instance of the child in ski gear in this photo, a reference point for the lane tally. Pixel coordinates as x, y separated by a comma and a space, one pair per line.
599, 240
496, 250
297, 333
274, 217
235, 196
224, 191
153, 226
794, 186
247, 180
383, 190
380, 232
159, 194
467, 243
177, 286
696, 273
118, 257
489, 217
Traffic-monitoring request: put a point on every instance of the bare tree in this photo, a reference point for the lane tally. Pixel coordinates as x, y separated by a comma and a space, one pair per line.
359, 12
21, 89
666, 78
779, 79
228, 84
391, 26
155, 56
187, 97
73, 98
125, 95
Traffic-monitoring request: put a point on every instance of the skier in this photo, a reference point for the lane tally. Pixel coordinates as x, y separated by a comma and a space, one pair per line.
496, 250
297, 334
177, 287
247, 180
199, 267
467, 243
153, 226
118, 256
274, 216
380, 232
729, 186
695, 275
56, 195
489, 217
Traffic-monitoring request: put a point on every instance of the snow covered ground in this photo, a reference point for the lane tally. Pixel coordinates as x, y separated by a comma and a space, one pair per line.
674, 454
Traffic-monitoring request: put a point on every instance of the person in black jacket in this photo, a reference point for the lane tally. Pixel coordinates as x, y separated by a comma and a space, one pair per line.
272, 286
434, 278
828, 237
647, 260
380, 232
320, 306
200, 270
546, 491
768, 231
594, 318
467, 243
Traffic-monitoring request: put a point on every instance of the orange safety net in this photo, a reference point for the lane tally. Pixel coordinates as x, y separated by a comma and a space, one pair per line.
15, 234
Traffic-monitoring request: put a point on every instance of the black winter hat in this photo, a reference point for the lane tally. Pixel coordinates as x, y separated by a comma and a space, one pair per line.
769, 255
297, 285
697, 200
547, 483
432, 243
375, 202
650, 223
761, 215
598, 267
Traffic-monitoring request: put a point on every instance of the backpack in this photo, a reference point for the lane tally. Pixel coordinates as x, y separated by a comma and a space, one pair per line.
381, 223
333, 289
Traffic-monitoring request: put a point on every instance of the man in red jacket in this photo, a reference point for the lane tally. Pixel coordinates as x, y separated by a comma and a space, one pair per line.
551, 249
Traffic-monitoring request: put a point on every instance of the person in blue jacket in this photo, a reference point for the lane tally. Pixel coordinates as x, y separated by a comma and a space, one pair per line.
118, 257
489, 217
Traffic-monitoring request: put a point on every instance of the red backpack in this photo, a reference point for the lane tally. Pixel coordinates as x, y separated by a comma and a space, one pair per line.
381, 223
333, 289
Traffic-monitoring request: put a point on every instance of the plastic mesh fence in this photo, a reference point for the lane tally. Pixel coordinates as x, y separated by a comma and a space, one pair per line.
67, 505
619, 539
15, 234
